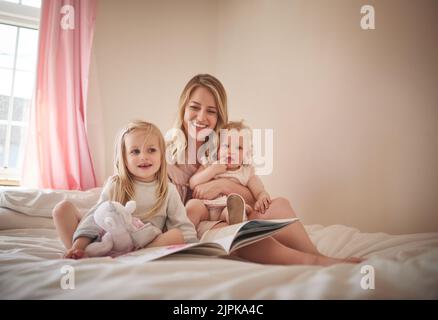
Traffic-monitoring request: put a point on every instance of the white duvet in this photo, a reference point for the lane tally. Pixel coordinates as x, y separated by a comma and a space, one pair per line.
404, 266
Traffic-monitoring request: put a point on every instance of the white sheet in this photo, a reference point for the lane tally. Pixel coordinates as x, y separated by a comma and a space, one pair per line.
405, 266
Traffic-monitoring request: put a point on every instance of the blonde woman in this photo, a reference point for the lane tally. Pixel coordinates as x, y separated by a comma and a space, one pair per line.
140, 175
203, 109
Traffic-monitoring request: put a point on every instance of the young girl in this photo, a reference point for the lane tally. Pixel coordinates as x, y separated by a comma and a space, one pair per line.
234, 163
140, 175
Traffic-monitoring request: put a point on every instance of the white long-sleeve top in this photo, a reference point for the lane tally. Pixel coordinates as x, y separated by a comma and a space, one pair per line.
172, 213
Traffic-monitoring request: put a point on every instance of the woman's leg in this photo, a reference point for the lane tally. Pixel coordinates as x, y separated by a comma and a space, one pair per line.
293, 236
196, 211
168, 238
66, 218
270, 251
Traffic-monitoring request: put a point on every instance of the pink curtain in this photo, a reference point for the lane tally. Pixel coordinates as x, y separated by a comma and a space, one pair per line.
57, 154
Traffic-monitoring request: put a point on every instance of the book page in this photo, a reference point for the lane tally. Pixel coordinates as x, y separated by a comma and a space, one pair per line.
256, 230
230, 237
149, 254
220, 241
222, 236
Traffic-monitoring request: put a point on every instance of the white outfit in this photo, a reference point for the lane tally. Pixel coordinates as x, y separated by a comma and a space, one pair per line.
172, 213
241, 175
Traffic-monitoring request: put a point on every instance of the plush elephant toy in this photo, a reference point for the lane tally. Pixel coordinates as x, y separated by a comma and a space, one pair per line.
123, 232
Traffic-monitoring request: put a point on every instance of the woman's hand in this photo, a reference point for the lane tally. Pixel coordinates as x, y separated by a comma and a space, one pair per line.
209, 190
263, 202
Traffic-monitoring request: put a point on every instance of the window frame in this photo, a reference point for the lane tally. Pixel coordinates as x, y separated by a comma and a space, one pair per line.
21, 16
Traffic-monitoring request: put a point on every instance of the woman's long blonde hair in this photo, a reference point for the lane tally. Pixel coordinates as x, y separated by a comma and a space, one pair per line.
124, 181
177, 143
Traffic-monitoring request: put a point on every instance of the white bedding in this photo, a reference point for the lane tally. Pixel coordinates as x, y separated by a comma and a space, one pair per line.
405, 266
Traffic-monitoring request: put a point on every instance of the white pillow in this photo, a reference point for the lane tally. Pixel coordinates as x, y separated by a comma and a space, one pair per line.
40, 202
13, 220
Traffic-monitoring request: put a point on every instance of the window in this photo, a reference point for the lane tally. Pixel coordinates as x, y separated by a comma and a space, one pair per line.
19, 22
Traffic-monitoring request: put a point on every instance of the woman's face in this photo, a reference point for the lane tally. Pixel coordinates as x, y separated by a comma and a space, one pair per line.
201, 114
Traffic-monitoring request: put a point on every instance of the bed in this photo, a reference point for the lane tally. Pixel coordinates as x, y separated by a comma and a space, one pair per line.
31, 267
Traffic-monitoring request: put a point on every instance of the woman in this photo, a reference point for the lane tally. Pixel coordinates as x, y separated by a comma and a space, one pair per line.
203, 107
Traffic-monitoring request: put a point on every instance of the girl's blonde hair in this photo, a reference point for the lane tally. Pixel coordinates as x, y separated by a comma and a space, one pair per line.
177, 143
124, 181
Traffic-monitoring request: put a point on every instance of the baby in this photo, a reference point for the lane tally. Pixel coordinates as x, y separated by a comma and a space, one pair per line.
234, 163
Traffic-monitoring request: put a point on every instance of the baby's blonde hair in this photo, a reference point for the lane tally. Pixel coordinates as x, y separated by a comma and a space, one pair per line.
178, 142
124, 181
238, 125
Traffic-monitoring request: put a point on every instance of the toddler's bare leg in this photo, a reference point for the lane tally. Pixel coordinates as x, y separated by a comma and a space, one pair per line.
224, 215
66, 218
171, 237
196, 211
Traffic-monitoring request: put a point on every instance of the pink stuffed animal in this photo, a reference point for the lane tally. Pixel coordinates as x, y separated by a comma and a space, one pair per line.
123, 233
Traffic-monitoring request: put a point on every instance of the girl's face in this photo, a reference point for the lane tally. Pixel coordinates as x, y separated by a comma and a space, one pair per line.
143, 157
232, 154
200, 113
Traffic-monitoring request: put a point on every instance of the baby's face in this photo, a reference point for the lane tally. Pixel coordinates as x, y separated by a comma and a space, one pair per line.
231, 152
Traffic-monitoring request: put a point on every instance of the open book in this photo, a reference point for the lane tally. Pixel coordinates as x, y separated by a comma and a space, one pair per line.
215, 242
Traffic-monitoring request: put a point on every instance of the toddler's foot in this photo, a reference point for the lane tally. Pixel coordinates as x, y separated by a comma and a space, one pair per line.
236, 209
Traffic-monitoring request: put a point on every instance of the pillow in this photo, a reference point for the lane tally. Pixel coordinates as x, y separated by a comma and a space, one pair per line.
40, 202
13, 220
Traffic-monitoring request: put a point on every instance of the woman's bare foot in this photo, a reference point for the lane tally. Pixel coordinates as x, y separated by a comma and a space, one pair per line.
328, 261
354, 260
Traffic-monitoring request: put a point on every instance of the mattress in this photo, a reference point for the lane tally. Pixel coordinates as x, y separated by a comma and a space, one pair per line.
31, 264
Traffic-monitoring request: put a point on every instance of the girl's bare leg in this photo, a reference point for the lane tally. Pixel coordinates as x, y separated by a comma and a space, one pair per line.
66, 218
196, 211
270, 251
171, 237
293, 236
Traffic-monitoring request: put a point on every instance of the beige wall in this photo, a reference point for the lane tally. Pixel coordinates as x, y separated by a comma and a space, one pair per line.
354, 112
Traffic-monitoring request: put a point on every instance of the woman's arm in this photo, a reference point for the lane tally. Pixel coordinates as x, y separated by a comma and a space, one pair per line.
205, 174
214, 188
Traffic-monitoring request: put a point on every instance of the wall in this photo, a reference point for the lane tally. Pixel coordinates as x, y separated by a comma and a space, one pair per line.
354, 112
